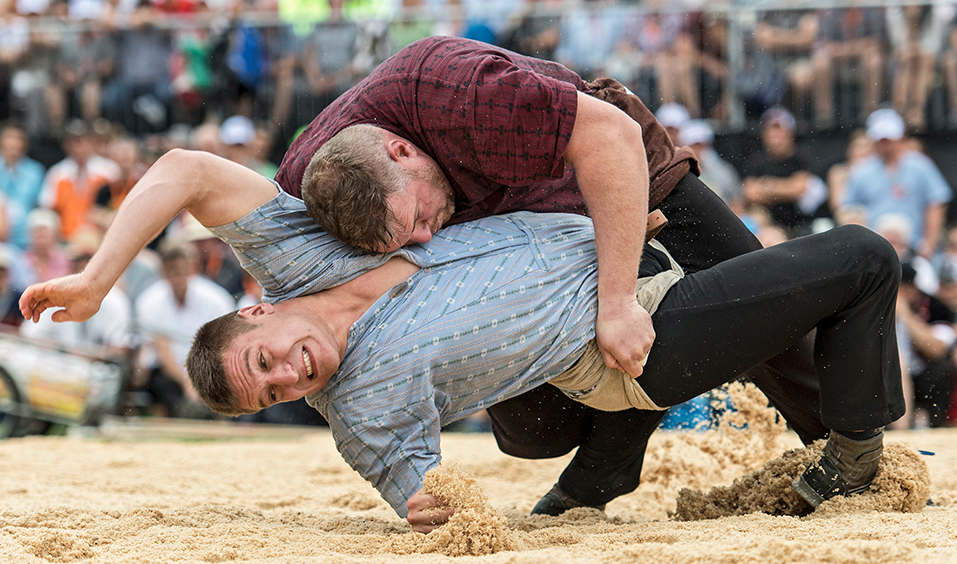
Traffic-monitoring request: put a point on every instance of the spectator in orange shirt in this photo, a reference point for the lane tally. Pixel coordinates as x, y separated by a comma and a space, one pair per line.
70, 185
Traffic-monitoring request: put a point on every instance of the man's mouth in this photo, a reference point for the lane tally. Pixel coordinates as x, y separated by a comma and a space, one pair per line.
308, 362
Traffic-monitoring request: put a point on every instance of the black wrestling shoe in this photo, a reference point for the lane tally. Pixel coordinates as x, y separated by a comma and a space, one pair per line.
846, 467
556, 502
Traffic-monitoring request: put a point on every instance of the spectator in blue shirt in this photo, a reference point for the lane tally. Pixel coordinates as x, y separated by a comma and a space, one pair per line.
21, 179
897, 180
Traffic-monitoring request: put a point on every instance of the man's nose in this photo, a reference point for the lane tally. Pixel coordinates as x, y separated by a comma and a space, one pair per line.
285, 375
422, 233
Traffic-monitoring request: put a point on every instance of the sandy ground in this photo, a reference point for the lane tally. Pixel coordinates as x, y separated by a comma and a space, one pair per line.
293, 500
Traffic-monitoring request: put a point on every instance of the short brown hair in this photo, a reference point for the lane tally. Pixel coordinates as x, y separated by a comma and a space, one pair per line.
347, 184
205, 363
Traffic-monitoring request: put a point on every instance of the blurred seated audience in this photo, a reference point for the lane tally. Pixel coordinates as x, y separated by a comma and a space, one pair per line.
205, 137
21, 181
138, 94
897, 180
252, 292
534, 29
712, 48
589, 35
168, 313
778, 177
71, 185
328, 61
45, 256
672, 117
948, 65
787, 37
31, 74
929, 349
858, 148
125, 152
848, 45
716, 173
238, 137
85, 59
9, 291
897, 229
946, 257
917, 35
215, 260
414, 21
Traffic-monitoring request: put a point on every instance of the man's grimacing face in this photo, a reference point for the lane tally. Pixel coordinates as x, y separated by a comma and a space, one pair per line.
287, 356
421, 209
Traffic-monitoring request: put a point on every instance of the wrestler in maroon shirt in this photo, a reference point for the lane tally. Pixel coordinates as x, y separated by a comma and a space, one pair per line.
505, 132
497, 123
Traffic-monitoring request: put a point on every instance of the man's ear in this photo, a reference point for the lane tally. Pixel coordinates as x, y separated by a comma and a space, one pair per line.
399, 148
252, 311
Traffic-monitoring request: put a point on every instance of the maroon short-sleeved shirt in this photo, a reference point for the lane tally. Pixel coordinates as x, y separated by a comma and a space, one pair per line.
496, 122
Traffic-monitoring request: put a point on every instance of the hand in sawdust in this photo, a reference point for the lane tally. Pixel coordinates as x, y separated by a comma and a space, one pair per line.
427, 512
625, 335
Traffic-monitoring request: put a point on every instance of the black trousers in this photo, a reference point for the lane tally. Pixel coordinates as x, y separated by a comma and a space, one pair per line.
542, 423
716, 323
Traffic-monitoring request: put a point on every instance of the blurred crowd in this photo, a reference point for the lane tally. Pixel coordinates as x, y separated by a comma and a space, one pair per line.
92, 92
148, 64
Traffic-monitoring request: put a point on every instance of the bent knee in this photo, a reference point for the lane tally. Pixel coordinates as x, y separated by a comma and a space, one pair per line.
872, 249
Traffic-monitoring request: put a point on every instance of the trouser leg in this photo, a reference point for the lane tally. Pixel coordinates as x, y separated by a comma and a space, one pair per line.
614, 449
702, 232
717, 323
545, 423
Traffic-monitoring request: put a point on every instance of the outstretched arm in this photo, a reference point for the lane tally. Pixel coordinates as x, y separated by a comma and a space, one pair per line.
608, 154
214, 190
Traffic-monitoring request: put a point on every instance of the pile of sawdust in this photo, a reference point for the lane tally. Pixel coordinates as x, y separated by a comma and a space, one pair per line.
744, 439
902, 484
475, 529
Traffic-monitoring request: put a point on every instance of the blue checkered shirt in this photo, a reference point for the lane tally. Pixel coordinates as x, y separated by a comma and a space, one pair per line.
499, 306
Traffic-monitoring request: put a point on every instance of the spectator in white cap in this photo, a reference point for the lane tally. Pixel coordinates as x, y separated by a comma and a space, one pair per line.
238, 135
672, 117
45, 256
896, 180
716, 173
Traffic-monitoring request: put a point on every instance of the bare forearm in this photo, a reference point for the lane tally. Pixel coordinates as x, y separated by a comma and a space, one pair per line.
933, 224
608, 155
195, 181
769, 190
168, 362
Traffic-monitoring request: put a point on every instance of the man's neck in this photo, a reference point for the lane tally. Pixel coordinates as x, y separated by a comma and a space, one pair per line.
342, 306
890, 159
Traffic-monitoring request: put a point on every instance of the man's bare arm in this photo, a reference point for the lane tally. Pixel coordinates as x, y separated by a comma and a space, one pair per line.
934, 219
608, 154
768, 190
173, 369
214, 190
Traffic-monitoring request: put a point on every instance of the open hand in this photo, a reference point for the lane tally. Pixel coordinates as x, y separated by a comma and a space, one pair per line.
74, 293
